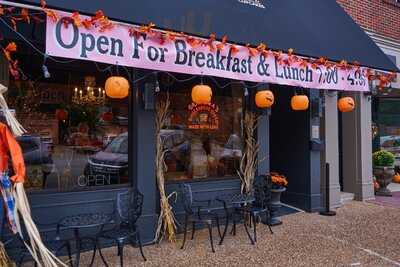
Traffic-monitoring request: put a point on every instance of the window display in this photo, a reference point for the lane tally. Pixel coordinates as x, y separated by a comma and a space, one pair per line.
203, 140
77, 137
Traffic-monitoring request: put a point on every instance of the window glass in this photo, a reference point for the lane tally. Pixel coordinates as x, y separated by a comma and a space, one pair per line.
202, 141
77, 137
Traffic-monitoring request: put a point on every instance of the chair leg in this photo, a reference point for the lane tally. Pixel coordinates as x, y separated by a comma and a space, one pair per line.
268, 213
248, 233
140, 244
225, 230
193, 229
209, 226
218, 227
94, 254
68, 246
255, 226
121, 253
184, 232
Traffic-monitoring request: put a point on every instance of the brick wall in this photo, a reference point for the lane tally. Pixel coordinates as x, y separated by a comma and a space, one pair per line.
379, 16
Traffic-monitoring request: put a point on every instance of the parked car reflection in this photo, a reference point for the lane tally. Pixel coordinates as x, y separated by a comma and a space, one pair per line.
111, 163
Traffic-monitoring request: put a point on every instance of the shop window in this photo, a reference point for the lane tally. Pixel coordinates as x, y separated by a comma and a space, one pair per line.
77, 137
203, 141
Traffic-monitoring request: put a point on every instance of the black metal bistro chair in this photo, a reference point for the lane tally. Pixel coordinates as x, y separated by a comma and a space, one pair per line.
198, 212
129, 208
15, 246
262, 194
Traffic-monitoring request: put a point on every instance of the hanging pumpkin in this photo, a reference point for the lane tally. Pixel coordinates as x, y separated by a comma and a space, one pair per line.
117, 87
61, 114
264, 99
396, 178
299, 102
346, 104
201, 94
107, 116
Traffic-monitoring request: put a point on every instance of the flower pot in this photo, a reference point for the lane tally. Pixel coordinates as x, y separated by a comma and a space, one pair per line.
384, 176
275, 204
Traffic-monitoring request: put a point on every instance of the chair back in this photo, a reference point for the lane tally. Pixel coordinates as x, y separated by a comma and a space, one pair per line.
187, 197
129, 205
262, 190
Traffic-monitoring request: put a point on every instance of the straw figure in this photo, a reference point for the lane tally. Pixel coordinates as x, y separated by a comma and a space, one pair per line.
12, 189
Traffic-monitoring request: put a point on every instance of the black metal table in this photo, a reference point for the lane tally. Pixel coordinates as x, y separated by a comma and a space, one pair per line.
85, 221
235, 201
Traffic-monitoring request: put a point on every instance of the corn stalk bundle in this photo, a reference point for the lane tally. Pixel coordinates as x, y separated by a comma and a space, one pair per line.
4, 259
39, 252
166, 221
248, 163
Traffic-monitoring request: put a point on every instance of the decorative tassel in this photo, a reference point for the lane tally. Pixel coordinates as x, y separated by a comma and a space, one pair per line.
16, 128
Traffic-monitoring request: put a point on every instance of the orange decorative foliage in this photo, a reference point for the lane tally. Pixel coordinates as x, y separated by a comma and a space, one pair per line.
43, 3
343, 64
290, 52
10, 48
252, 51
278, 179
261, 47
222, 44
234, 49
87, 23
51, 14
76, 19
303, 62
193, 42
25, 15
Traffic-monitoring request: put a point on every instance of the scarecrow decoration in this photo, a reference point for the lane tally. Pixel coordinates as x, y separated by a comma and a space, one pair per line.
16, 203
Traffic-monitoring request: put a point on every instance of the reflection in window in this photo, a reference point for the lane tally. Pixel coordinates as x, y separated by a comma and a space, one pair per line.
77, 137
203, 141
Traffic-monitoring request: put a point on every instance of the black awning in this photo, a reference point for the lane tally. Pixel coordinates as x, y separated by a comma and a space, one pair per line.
312, 27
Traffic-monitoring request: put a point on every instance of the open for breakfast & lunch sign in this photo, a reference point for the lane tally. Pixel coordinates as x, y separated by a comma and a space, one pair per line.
117, 46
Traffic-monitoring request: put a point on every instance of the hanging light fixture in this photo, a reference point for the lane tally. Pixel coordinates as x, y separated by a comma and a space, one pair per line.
201, 93
264, 99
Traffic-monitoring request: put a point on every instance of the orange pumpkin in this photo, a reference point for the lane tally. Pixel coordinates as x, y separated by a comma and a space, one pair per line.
299, 102
346, 104
61, 114
117, 87
264, 99
396, 178
201, 94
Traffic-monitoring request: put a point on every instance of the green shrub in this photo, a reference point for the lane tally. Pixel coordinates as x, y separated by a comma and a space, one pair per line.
383, 158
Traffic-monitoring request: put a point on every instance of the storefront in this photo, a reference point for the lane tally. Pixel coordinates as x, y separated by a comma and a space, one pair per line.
83, 147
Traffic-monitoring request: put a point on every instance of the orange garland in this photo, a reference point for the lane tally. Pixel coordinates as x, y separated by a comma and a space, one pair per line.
103, 24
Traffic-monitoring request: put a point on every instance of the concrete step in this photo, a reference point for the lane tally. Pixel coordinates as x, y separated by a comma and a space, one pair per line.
346, 197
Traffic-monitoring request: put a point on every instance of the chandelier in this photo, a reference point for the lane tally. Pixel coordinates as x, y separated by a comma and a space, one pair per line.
89, 96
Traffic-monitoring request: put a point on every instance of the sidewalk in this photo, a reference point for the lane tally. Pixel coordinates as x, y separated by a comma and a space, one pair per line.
394, 187
362, 234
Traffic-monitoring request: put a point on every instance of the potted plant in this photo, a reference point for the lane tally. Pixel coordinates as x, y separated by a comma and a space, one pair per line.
383, 162
279, 183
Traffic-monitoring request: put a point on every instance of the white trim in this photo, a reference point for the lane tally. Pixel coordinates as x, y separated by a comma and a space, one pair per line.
289, 206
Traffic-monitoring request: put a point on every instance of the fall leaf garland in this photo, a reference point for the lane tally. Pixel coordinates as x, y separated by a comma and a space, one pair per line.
102, 23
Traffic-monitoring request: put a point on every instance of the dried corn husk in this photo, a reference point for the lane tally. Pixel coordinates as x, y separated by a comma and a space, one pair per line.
166, 222
39, 252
